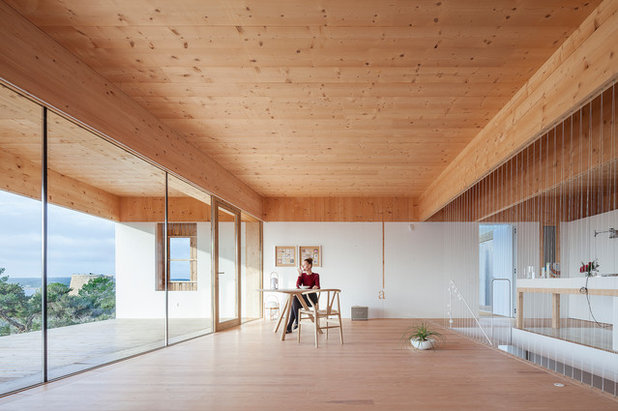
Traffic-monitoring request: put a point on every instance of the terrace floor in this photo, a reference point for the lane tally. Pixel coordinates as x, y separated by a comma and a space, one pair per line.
77, 347
248, 367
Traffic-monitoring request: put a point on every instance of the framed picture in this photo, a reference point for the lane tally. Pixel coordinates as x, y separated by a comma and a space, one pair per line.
311, 251
285, 256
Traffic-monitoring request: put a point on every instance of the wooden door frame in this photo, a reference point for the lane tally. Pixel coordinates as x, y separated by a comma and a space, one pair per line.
216, 204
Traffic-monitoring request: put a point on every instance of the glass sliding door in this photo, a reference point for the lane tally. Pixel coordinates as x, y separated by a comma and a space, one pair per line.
226, 265
134, 258
21, 148
496, 269
105, 205
189, 261
251, 267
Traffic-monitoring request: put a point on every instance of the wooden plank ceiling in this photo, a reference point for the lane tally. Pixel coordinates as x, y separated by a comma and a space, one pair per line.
318, 98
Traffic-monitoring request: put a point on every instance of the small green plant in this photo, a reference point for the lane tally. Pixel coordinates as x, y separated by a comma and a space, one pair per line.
421, 333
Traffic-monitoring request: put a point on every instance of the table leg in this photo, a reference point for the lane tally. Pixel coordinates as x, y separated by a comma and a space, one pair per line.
281, 314
288, 305
520, 311
555, 312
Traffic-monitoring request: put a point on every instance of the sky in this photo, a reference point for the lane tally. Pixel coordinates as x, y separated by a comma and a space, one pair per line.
78, 243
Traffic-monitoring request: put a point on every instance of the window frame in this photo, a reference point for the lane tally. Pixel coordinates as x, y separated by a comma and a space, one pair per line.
176, 230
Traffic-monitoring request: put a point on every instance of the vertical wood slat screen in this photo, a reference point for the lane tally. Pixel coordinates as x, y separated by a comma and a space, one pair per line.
559, 193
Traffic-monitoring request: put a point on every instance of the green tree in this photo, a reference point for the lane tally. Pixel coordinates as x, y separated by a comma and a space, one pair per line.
100, 296
16, 309
95, 301
62, 309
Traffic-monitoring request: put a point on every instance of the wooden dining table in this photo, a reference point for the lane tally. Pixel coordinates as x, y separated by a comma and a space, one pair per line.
291, 293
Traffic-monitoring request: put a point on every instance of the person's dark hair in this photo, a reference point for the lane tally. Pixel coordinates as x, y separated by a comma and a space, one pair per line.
309, 260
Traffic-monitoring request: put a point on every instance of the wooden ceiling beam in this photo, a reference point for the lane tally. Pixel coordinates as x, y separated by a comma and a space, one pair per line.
23, 177
32, 61
339, 209
580, 67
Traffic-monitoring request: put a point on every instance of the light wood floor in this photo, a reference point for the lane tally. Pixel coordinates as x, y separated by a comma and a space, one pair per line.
249, 368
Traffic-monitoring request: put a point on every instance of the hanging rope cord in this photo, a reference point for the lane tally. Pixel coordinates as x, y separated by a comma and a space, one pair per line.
584, 289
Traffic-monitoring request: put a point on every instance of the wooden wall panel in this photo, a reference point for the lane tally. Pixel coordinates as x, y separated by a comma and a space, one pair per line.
339, 209
580, 67
581, 147
152, 209
32, 61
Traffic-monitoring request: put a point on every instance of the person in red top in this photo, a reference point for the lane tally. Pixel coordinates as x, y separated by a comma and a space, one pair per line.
306, 279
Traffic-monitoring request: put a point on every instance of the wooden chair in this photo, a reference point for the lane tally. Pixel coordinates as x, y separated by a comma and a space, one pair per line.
322, 312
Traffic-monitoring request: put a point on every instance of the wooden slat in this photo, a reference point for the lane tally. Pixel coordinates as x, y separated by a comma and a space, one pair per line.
37, 64
582, 65
356, 13
555, 310
243, 80
591, 291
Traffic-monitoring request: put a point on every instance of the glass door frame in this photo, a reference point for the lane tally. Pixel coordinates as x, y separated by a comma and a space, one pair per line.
216, 204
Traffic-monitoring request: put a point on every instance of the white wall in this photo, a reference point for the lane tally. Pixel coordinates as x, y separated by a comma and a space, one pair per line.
351, 256
415, 280
416, 273
579, 245
136, 295
461, 261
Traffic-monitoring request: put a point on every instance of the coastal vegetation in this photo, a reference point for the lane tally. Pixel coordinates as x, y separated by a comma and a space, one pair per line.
20, 313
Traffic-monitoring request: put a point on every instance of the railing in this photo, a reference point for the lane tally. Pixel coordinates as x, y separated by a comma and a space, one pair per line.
452, 290
510, 310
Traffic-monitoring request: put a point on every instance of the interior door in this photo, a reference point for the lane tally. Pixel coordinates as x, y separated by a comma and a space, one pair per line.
496, 268
226, 264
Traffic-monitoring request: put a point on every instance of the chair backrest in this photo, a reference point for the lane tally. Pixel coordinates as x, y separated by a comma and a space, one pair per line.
331, 294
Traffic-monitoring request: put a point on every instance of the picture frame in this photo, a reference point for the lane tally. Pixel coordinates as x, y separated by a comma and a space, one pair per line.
285, 256
313, 251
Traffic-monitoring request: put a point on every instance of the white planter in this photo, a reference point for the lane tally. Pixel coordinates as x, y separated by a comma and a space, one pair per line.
421, 345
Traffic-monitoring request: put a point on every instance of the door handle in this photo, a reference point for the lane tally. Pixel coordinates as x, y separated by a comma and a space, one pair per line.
221, 272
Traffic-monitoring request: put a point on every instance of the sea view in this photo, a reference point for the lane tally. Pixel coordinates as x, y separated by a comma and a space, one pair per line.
31, 284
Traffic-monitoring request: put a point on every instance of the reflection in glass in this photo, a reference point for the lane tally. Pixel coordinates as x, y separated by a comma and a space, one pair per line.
190, 279
250, 268
20, 242
227, 274
105, 205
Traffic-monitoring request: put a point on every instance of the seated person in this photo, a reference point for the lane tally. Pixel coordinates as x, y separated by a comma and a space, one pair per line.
306, 279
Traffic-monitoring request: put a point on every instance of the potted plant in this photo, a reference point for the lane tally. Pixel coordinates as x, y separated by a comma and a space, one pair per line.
421, 337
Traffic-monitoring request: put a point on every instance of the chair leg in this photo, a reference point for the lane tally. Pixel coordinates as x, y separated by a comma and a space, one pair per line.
340, 330
300, 317
317, 327
327, 328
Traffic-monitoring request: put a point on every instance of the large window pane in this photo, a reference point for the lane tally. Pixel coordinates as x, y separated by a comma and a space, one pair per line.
20, 241
190, 264
226, 275
105, 205
251, 267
